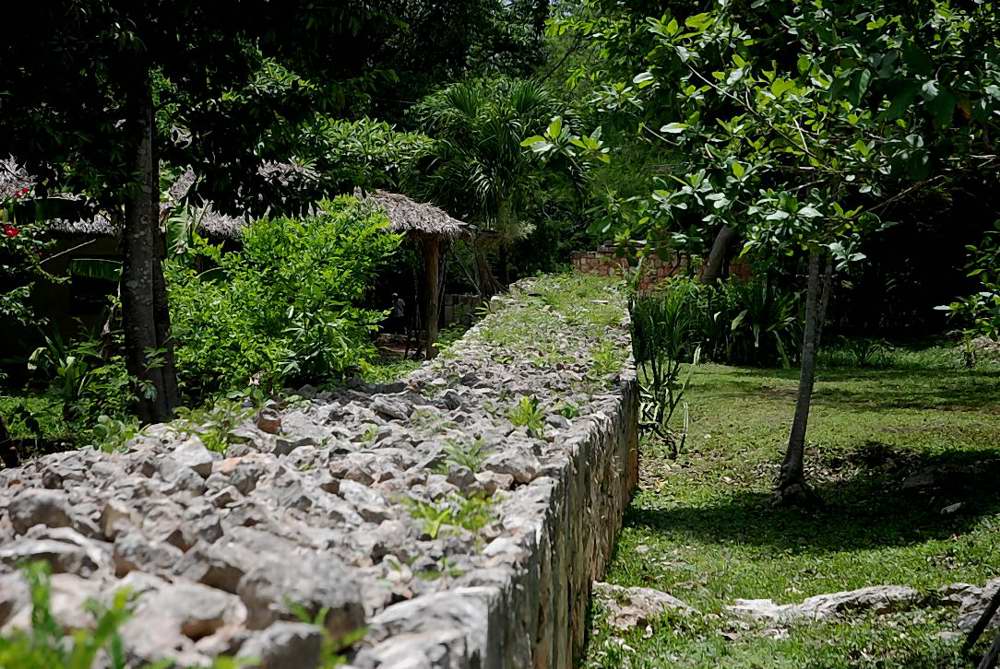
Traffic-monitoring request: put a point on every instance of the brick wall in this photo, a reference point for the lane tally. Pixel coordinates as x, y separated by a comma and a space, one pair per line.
655, 269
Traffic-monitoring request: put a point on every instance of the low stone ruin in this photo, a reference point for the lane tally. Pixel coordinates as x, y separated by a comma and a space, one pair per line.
417, 513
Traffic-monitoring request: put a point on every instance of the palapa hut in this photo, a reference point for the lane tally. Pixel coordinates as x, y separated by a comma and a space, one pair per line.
431, 227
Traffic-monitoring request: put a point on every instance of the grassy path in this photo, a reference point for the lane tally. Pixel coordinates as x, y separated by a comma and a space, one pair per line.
701, 528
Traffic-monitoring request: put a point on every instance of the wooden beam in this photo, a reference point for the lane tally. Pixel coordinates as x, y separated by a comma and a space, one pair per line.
432, 265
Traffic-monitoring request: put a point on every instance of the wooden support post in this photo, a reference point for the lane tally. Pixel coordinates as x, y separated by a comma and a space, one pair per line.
432, 265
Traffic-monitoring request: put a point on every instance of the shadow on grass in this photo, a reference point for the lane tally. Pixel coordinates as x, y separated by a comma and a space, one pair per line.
872, 508
884, 389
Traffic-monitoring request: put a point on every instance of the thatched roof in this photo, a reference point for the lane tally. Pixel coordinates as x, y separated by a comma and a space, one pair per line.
405, 216
212, 224
410, 217
13, 178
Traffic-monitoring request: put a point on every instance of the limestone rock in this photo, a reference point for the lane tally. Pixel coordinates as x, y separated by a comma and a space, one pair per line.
270, 589
284, 645
133, 552
68, 595
391, 408
520, 464
39, 507
64, 549
14, 596
972, 602
636, 607
876, 599
193, 455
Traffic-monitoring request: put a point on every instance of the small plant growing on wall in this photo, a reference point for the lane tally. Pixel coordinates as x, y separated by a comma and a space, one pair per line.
469, 455
528, 413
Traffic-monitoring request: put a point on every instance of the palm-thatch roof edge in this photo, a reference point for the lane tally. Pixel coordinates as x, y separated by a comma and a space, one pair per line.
409, 216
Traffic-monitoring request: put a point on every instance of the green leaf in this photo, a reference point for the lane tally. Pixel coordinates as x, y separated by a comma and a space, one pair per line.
674, 128
781, 86
643, 79
809, 212
942, 108
738, 170
96, 268
858, 86
902, 101
555, 127
531, 141
698, 22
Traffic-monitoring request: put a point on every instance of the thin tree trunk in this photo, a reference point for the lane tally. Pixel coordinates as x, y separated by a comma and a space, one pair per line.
792, 485
982, 623
824, 300
989, 660
716, 262
143, 291
432, 259
162, 306
488, 285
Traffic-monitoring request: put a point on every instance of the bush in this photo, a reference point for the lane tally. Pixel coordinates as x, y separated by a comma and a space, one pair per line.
754, 322
285, 307
95, 389
46, 646
980, 312
664, 336
736, 322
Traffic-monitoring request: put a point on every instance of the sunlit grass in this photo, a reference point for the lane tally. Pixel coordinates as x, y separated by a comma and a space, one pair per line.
702, 528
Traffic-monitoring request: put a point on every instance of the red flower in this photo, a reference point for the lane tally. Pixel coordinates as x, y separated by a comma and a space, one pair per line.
9, 230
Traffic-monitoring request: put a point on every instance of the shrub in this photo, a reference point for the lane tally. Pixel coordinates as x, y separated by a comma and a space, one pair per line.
664, 328
980, 312
750, 323
735, 322
286, 307
45, 645
95, 389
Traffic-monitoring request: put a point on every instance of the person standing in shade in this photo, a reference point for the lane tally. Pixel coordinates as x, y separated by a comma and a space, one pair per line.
398, 313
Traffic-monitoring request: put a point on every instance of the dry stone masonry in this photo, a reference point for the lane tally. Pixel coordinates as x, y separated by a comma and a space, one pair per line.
417, 512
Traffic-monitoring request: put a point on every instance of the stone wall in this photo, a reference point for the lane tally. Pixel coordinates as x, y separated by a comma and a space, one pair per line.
417, 511
605, 262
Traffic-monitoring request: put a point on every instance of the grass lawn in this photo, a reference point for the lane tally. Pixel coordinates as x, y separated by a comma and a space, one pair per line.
701, 527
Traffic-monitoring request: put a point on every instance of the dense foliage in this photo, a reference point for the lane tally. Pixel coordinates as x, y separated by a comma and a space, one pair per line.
286, 307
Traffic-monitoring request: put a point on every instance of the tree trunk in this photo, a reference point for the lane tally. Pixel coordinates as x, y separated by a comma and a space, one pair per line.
488, 285
432, 263
540, 16
148, 351
792, 487
824, 300
713, 268
983, 622
989, 660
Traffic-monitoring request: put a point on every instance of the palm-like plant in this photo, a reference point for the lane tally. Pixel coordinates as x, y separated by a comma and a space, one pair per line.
479, 169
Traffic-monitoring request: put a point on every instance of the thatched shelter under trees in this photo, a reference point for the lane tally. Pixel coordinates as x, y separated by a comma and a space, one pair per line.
424, 223
431, 227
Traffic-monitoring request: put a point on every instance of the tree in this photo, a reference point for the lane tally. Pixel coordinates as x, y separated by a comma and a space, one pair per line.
79, 90
479, 170
805, 127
